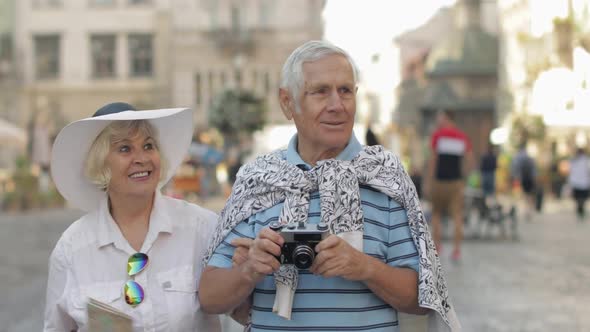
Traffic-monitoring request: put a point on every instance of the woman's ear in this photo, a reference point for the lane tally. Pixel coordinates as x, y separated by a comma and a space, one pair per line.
287, 104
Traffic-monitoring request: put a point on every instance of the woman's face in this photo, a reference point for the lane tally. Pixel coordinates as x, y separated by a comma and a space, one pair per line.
135, 166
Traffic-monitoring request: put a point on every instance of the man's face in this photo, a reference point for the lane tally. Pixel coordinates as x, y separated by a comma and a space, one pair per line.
327, 105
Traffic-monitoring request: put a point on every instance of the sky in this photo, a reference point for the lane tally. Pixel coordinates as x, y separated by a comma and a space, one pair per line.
368, 27
365, 27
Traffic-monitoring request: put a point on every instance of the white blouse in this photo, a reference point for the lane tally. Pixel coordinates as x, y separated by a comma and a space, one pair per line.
90, 260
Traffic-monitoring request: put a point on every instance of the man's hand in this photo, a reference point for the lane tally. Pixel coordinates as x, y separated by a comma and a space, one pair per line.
396, 286
223, 290
337, 258
261, 257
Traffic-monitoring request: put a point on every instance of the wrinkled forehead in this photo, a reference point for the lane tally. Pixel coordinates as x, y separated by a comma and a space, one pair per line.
333, 68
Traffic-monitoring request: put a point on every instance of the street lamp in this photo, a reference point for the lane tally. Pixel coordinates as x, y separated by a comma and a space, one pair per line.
238, 62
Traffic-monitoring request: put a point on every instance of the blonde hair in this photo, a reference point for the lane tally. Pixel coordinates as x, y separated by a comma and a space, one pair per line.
95, 167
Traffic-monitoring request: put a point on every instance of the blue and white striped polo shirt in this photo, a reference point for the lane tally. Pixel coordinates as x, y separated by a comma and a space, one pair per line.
332, 304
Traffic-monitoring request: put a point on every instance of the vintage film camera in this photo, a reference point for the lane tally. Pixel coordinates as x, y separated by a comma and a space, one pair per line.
300, 241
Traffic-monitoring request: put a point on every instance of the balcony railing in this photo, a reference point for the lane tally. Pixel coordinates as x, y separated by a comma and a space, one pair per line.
232, 41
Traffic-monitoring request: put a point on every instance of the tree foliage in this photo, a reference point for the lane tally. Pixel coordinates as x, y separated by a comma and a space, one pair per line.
526, 127
237, 112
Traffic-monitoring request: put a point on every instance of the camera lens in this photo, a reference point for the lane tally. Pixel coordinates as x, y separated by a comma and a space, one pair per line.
303, 256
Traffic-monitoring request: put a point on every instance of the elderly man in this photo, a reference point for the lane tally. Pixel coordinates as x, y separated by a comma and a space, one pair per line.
378, 257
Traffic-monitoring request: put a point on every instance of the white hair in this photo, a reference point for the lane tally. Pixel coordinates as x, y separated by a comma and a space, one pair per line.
292, 72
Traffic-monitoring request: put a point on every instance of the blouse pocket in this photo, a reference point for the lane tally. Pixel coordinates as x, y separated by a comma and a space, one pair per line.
180, 290
178, 280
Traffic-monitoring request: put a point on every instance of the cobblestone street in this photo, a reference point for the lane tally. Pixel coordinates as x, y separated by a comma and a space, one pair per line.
539, 283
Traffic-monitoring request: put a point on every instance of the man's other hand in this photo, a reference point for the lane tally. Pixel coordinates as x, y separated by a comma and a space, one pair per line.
336, 258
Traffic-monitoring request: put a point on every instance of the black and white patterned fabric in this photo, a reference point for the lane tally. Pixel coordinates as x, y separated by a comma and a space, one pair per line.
270, 179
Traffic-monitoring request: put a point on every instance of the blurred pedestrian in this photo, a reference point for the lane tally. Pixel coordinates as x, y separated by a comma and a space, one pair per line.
487, 166
451, 153
41, 150
556, 178
579, 181
524, 172
113, 165
204, 152
416, 177
370, 137
234, 162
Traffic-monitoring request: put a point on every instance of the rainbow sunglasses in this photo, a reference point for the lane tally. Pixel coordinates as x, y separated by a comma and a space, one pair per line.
136, 263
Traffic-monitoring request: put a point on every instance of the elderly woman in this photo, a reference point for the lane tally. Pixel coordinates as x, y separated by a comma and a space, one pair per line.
136, 250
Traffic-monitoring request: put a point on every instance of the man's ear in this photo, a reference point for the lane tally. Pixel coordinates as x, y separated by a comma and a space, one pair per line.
287, 103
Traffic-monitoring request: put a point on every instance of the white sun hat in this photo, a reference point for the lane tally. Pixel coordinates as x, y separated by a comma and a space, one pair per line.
70, 150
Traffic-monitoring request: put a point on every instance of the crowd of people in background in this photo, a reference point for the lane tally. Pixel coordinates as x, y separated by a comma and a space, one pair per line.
504, 184
523, 176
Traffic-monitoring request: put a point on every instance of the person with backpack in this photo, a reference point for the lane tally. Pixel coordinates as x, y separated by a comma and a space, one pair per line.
524, 171
487, 167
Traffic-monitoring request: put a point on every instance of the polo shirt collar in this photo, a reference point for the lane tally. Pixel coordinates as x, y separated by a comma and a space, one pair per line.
350, 151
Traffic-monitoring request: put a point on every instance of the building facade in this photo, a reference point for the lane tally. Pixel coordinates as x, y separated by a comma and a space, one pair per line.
237, 45
8, 77
448, 63
544, 68
74, 56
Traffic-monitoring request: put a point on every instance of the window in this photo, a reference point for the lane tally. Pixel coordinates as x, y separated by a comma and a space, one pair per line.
213, 14
141, 55
312, 13
47, 56
47, 3
236, 24
267, 83
211, 87
139, 2
198, 93
5, 47
238, 78
101, 3
255, 79
223, 79
103, 55
264, 13
5, 54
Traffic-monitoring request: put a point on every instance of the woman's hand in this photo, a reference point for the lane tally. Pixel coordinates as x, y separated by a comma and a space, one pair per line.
241, 253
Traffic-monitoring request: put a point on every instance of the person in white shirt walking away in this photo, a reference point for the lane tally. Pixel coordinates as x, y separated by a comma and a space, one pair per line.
579, 181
